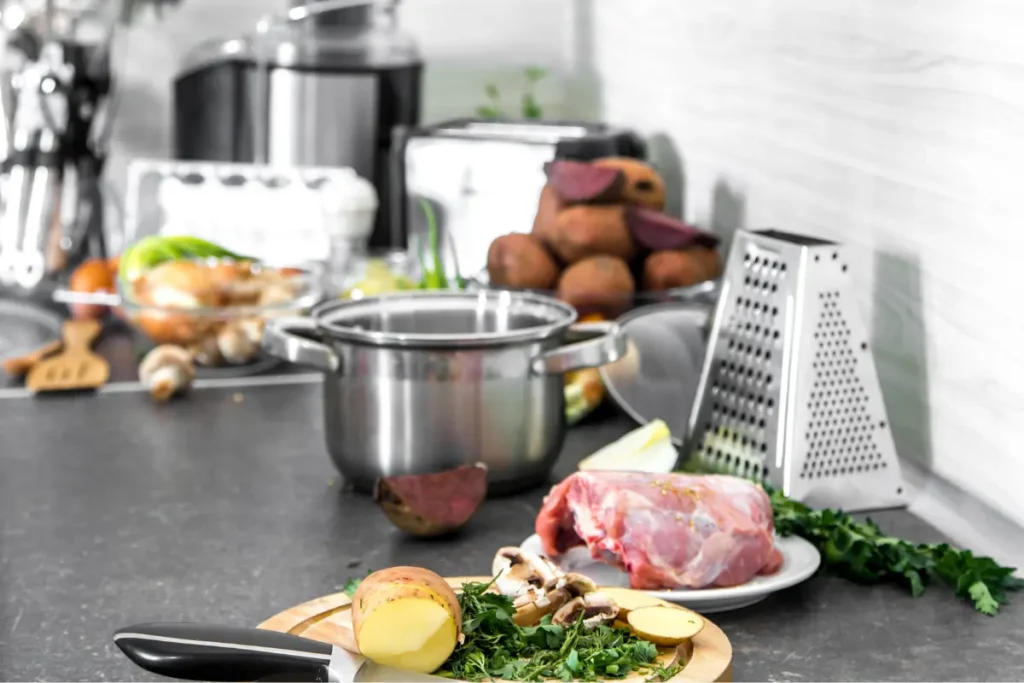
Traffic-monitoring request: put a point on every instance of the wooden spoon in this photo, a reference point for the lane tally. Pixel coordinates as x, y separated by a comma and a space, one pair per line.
20, 365
76, 367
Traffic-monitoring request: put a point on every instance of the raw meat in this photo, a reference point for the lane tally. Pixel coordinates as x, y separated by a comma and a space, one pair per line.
665, 530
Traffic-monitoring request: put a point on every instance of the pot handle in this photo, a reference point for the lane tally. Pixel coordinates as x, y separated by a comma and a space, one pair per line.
279, 341
607, 346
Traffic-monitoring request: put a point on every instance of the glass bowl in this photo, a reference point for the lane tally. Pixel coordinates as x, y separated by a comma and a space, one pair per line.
216, 308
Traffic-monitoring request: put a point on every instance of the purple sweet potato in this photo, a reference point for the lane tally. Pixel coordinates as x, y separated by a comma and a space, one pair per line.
589, 230
521, 262
578, 182
657, 231
599, 284
644, 185
432, 504
680, 268
548, 208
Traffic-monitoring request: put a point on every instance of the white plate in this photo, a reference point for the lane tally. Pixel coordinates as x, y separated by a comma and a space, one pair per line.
800, 560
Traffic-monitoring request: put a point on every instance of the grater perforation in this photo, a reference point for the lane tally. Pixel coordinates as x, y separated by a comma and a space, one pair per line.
788, 394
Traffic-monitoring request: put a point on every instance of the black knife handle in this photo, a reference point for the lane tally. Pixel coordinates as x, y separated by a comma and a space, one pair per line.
203, 652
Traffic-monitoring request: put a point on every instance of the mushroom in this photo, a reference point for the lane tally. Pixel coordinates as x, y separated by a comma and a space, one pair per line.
166, 371
235, 345
595, 608
519, 570
253, 329
205, 351
550, 597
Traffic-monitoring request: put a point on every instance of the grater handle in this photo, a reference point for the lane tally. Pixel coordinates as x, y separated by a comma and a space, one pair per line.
607, 345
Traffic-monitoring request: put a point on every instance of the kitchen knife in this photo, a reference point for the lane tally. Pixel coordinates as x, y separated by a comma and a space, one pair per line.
225, 653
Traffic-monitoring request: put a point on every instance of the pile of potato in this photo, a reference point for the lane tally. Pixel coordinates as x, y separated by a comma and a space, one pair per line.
600, 236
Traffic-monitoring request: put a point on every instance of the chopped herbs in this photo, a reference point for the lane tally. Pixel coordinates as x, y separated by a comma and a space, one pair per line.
352, 584
496, 647
861, 552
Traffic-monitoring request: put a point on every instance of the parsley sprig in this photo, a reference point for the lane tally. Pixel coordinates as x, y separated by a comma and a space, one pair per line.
496, 647
860, 551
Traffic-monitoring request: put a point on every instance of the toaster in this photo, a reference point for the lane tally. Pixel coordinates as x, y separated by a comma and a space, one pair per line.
482, 178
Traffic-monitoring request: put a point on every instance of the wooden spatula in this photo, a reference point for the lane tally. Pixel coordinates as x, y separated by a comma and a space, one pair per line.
20, 365
76, 367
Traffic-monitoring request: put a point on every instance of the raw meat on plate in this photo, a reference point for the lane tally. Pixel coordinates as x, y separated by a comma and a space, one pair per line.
665, 530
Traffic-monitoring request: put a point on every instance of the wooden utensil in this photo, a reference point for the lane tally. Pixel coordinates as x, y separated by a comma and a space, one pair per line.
21, 365
708, 656
76, 367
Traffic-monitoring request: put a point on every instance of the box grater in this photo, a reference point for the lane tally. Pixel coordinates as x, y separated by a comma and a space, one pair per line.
789, 393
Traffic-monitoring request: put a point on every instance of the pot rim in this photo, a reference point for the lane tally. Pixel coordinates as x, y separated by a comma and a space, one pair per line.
561, 314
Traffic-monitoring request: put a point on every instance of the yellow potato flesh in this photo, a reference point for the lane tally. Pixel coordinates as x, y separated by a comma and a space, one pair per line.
416, 634
665, 626
628, 600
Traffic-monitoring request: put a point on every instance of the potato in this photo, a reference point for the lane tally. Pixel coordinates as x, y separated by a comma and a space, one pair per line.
521, 262
644, 186
680, 268
665, 626
600, 284
406, 617
629, 600
432, 504
548, 208
92, 276
582, 231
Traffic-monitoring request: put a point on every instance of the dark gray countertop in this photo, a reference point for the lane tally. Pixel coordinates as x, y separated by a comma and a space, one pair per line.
225, 508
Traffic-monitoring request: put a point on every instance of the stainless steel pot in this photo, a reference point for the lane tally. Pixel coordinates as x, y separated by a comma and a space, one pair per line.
426, 381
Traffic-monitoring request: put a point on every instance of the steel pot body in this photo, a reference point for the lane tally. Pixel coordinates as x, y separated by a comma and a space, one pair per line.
427, 381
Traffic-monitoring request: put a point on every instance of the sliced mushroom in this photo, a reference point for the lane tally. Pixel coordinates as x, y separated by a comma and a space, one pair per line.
550, 597
519, 570
577, 584
595, 608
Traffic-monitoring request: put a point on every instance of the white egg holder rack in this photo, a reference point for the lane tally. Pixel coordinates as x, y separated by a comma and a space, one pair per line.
282, 215
789, 392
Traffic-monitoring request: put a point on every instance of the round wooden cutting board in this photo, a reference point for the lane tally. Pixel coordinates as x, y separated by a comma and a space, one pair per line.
328, 619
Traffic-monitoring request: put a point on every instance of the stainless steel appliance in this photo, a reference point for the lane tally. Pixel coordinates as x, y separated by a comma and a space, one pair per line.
322, 85
427, 381
483, 178
789, 392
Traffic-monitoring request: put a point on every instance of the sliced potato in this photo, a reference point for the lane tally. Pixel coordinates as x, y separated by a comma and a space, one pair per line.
629, 600
666, 626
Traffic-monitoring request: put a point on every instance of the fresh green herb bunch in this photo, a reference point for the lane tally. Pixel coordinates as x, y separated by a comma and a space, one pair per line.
861, 552
496, 647
530, 107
